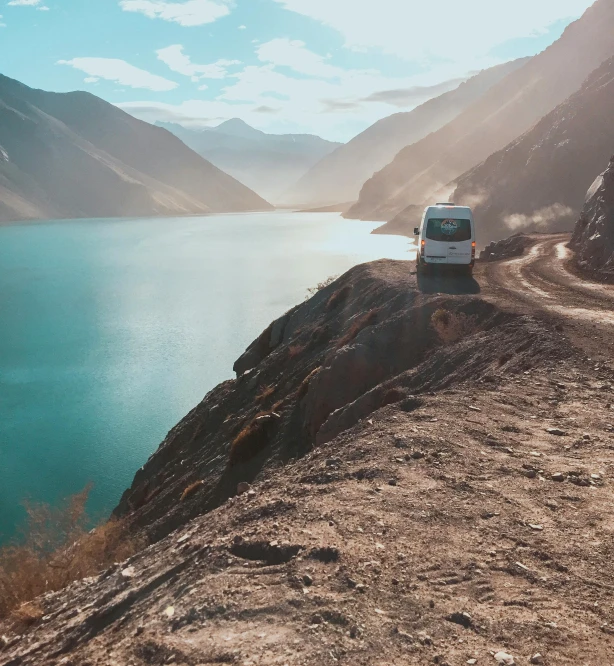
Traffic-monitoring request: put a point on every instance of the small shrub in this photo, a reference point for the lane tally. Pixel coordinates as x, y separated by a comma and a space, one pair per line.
453, 326
322, 285
56, 548
393, 396
266, 393
338, 297
253, 439
191, 489
295, 350
304, 387
368, 319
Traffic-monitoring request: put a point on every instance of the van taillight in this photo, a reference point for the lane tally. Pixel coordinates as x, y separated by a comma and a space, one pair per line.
473, 250
422, 244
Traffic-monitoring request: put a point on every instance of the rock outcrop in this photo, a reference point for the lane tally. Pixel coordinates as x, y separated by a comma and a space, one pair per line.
593, 238
427, 168
74, 155
514, 246
539, 181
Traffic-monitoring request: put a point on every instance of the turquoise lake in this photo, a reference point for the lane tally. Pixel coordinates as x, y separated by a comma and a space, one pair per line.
112, 330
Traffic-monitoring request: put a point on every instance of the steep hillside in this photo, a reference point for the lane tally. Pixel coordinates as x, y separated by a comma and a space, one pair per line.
393, 478
506, 111
339, 176
539, 181
593, 238
75, 155
267, 163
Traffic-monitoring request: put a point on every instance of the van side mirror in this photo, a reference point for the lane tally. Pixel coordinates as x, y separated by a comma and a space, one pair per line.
416, 231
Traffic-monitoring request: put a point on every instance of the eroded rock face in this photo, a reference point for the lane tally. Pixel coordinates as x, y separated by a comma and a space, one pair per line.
593, 238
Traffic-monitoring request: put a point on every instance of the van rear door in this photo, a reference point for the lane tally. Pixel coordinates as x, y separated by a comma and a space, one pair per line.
454, 238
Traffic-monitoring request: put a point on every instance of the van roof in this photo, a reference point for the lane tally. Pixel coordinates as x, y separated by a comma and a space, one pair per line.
448, 205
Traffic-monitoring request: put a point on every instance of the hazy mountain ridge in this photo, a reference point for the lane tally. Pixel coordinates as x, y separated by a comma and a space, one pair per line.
267, 163
539, 181
66, 155
505, 112
339, 176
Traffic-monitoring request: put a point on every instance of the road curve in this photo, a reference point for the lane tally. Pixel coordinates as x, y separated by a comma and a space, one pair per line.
541, 282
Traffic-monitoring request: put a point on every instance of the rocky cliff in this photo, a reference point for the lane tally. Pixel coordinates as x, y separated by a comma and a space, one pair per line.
593, 238
391, 476
506, 111
539, 181
74, 155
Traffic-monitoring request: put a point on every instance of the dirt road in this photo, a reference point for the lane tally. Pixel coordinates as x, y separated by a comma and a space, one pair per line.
542, 281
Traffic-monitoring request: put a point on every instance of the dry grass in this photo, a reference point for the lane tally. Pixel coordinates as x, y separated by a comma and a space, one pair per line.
295, 350
338, 297
322, 285
265, 394
453, 326
304, 387
254, 437
368, 319
56, 549
191, 489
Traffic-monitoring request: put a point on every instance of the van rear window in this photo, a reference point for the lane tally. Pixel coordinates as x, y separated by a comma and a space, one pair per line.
450, 230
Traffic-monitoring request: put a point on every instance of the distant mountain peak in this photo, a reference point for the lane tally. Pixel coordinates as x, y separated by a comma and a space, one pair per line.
238, 127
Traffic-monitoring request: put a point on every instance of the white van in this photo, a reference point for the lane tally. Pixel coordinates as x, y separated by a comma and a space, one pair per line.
446, 236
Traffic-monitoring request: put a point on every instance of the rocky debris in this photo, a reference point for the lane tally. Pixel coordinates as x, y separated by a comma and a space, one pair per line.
593, 238
514, 246
556, 431
537, 658
504, 658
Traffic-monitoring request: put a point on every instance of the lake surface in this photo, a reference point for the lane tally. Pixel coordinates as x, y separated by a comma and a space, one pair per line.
112, 330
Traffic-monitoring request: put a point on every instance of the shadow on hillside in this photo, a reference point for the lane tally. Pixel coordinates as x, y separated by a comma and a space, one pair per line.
442, 281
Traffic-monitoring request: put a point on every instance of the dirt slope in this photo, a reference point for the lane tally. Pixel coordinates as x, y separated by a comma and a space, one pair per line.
456, 505
504, 113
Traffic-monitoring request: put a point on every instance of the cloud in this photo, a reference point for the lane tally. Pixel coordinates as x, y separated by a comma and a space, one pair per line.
339, 105
2, 25
29, 3
178, 61
411, 29
294, 54
242, 27
120, 72
188, 14
404, 97
265, 109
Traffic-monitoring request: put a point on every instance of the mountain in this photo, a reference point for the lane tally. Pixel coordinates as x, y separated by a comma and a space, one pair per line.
74, 155
267, 163
505, 112
340, 175
539, 181
593, 238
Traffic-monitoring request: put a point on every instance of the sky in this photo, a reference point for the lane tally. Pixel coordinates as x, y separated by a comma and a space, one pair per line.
327, 67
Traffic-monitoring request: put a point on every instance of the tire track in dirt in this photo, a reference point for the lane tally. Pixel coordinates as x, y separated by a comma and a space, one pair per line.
542, 282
